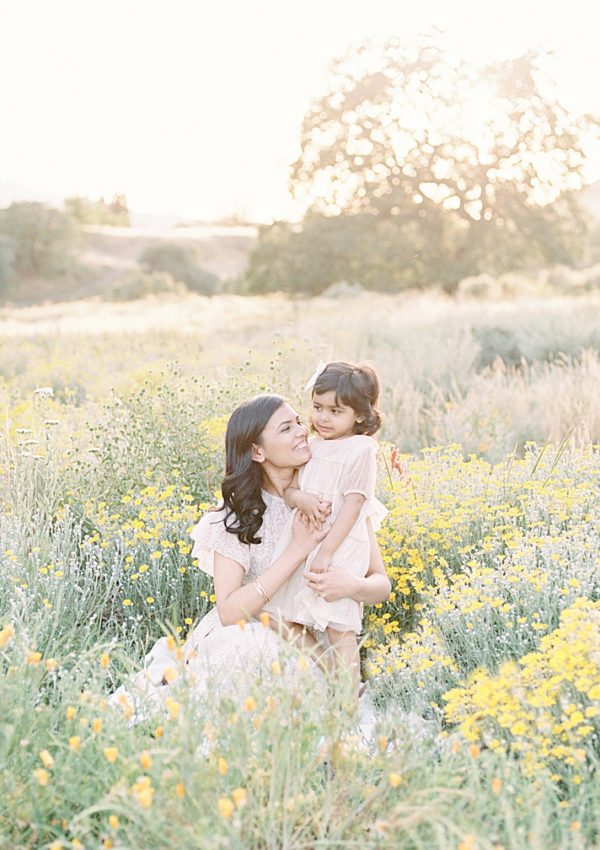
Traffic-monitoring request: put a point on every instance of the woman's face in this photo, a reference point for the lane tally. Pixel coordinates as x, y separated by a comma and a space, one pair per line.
283, 440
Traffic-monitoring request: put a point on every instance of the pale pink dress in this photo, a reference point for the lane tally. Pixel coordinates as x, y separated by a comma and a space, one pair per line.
336, 469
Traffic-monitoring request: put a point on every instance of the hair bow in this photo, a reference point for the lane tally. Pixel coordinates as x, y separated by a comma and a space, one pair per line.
313, 380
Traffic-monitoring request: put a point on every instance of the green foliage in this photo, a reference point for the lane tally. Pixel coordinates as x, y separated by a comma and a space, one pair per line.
44, 239
181, 264
86, 211
433, 171
95, 562
7, 261
137, 284
331, 249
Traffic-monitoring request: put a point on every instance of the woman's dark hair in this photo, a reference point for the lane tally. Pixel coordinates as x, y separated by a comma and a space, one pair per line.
241, 486
355, 385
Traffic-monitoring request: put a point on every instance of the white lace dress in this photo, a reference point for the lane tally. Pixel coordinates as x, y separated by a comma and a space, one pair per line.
229, 658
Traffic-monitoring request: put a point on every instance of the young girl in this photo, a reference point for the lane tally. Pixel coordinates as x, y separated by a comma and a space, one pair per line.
341, 472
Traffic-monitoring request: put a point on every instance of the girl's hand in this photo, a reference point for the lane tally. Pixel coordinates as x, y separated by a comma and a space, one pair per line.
304, 535
316, 510
331, 585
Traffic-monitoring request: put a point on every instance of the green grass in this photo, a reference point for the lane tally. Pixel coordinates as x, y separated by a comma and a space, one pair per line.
101, 482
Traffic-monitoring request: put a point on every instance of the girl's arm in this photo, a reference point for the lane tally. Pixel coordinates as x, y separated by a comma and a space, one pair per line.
336, 584
338, 532
315, 509
236, 601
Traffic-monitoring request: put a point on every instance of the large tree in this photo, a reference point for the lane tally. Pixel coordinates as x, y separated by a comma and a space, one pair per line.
43, 240
475, 168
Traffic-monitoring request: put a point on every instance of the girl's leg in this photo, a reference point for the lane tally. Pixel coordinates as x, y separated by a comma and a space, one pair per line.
299, 635
345, 646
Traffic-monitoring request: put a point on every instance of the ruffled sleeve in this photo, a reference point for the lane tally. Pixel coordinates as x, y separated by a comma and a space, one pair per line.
210, 536
376, 511
361, 470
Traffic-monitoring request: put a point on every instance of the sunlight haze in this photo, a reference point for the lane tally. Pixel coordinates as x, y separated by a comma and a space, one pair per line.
195, 108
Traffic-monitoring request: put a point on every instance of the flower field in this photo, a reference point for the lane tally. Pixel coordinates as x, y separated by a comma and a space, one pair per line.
483, 666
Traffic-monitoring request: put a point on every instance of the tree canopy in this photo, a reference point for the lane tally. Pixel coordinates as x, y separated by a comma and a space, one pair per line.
43, 241
471, 168
86, 211
181, 264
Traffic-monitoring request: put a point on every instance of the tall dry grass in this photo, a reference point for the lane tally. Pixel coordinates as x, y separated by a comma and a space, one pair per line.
489, 375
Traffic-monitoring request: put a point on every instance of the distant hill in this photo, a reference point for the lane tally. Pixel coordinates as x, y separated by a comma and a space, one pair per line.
221, 250
109, 251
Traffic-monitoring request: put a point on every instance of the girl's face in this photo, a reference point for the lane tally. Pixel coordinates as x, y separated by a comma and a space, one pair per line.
283, 440
330, 420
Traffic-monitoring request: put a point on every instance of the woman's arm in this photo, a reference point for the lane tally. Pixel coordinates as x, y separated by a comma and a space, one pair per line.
335, 584
236, 601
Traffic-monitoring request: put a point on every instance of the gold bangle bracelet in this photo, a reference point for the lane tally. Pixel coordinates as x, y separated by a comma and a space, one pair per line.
261, 591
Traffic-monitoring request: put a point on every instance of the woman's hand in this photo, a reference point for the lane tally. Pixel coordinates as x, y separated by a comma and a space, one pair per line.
304, 535
321, 562
331, 585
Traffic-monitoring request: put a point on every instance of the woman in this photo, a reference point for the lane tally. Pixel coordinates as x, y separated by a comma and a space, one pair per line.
265, 443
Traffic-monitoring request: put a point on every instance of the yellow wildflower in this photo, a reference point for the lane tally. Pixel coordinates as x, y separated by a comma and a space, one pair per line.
173, 707
145, 760
41, 775
46, 759
33, 658
111, 754
170, 674
240, 797
225, 807
126, 706
143, 791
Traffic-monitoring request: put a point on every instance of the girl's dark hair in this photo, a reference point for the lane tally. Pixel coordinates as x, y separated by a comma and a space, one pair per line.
241, 486
355, 385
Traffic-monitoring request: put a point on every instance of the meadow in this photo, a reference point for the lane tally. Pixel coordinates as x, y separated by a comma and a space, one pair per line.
483, 665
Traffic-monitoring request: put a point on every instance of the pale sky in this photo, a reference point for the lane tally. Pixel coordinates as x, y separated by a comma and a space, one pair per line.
194, 108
